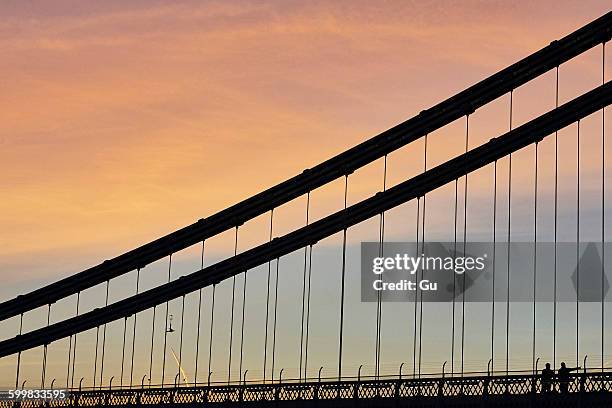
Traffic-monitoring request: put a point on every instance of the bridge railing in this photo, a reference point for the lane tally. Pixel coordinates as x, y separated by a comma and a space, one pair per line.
479, 386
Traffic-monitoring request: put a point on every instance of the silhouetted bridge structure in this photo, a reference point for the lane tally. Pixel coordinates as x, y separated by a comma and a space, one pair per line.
591, 388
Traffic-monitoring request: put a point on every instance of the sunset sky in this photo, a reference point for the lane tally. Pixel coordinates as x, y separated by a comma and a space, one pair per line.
121, 121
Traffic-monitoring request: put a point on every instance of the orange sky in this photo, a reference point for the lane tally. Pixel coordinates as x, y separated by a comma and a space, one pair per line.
123, 121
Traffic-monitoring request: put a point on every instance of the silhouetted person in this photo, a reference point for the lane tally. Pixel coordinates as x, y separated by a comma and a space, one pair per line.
564, 377
547, 378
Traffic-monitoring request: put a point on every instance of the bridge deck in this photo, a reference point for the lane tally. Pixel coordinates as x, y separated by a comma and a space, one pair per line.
591, 389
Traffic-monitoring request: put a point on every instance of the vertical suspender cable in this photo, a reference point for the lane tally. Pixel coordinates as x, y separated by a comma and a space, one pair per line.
555, 226
275, 318
69, 361
304, 291
508, 249
123, 350
180, 359
493, 267
603, 204
133, 334
70, 348
103, 339
152, 341
95, 374
212, 325
265, 356
307, 313
71, 353
163, 376
229, 360
577, 242
44, 362
416, 293
340, 337
535, 255
465, 201
197, 353
19, 354
74, 347
379, 294
423, 252
244, 291
454, 280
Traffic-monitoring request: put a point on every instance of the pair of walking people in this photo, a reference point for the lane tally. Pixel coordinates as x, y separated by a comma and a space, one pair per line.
563, 378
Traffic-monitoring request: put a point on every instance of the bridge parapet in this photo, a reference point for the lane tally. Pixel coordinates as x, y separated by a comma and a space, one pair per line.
424, 389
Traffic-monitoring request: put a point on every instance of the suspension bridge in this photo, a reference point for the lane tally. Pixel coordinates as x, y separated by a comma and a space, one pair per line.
134, 383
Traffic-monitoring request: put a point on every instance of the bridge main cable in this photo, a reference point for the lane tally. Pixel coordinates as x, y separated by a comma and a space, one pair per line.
531, 132
597, 32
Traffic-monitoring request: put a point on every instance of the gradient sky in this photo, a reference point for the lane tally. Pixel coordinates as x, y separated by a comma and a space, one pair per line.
121, 121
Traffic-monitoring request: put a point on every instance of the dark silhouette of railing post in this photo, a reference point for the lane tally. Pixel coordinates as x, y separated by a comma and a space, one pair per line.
48, 401
318, 388
487, 381
107, 395
207, 392
139, 398
241, 394
278, 389
534, 377
356, 389
175, 390
78, 396
583, 376
441, 382
398, 384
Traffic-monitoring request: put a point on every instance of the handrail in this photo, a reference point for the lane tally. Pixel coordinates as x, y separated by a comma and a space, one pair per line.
465, 102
